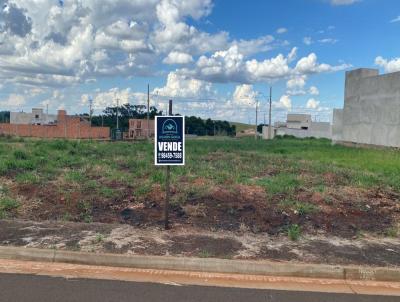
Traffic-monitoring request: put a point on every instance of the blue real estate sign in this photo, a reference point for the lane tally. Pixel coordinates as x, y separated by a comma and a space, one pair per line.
169, 147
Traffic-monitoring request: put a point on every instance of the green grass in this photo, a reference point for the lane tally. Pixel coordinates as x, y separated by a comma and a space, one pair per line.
281, 183
103, 170
98, 239
75, 176
27, 178
205, 254
7, 205
301, 208
85, 211
392, 232
294, 232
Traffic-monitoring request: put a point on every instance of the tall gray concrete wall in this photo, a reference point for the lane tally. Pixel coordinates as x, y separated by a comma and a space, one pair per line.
337, 125
371, 113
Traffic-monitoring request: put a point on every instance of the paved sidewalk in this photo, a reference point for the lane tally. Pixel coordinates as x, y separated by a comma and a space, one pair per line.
31, 272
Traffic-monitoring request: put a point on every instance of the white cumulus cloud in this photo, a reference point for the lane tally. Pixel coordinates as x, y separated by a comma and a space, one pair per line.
313, 90
281, 30
388, 65
179, 85
312, 104
284, 103
244, 95
176, 57
13, 101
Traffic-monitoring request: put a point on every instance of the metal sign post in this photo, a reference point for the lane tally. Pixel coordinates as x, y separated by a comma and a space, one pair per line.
169, 149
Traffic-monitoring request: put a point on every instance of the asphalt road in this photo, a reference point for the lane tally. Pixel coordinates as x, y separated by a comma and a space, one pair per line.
21, 288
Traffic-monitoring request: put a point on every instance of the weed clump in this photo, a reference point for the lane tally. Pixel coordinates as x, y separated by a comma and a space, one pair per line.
7, 205
294, 232
20, 155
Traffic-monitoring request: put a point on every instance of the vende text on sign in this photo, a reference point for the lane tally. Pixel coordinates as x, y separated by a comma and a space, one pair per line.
169, 147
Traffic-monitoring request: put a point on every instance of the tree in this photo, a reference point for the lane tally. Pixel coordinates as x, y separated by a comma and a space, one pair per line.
197, 126
4, 116
125, 112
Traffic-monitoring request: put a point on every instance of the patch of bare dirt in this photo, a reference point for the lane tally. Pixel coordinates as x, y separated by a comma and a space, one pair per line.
346, 211
195, 242
204, 246
65, 202
343, 211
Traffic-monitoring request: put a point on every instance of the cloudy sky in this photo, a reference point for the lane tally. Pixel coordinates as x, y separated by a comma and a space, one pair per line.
213, 58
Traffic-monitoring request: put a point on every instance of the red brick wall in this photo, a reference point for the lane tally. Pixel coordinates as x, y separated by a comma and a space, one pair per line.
138, 128
67, 127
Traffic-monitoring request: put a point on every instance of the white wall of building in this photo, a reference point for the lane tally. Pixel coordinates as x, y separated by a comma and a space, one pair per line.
265, 132
317, 130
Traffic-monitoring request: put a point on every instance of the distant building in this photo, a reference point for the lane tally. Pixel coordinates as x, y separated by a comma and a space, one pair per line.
371, 113
140, 128
38, 124
266, 134
302, 126
298, 121
37, 117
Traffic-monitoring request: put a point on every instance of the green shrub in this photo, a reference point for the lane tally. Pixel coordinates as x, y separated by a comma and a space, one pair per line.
20, 155
59, 145
392, 232
27, 178
294, 232
85, 209
7, 205
98, 239
303, 208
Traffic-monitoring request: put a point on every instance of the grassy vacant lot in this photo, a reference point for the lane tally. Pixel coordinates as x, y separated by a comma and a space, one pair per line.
282, 186
240, 126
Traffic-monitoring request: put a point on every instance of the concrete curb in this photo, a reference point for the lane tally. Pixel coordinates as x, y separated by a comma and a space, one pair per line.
212, 265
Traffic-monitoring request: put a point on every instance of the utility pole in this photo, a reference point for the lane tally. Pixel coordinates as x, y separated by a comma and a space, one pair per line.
47, 121
90, 116
167, 183
90, 110
270, 114
117, 114
148, 112
255, 135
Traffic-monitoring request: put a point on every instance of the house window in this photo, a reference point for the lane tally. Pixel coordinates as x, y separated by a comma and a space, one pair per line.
139, 124
36, 115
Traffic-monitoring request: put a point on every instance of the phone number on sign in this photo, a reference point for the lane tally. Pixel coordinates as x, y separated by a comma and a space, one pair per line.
170, 155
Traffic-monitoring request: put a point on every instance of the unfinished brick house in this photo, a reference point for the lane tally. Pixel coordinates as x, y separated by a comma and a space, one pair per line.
138, 128
64, 126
